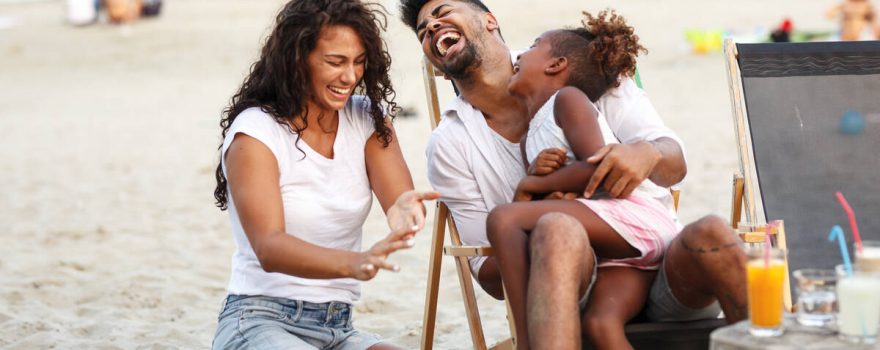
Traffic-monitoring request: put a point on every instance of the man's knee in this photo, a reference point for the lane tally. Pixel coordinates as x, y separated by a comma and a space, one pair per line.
555, 231
707, 241
710, 230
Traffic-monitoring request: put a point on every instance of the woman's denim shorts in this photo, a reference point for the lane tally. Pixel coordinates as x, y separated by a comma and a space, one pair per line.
259, 322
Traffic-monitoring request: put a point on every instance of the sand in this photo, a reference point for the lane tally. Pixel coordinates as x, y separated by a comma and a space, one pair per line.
109, 136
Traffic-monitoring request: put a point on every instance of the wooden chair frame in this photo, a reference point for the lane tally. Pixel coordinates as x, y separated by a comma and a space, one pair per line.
745, 183
442, 221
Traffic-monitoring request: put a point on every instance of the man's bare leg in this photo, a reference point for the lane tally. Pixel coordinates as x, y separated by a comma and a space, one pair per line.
561, 268
706, 262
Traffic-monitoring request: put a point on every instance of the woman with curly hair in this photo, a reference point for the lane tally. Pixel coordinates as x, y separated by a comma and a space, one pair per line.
307, 140
559, 79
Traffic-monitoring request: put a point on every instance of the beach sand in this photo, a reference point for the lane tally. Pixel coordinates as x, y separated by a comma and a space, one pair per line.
109, 133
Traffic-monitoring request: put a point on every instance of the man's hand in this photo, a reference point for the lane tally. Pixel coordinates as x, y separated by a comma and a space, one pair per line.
548, 161
622, 167
368, 263
408, 210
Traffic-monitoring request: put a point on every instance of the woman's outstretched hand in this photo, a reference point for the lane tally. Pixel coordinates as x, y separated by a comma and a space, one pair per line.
408, 210
369, 262
405, 217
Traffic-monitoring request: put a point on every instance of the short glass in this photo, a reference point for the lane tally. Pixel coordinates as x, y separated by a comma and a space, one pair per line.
765, 273
868, 258
858, 298
817, 297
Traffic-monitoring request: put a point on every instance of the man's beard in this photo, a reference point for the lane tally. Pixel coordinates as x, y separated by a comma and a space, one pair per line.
466, 60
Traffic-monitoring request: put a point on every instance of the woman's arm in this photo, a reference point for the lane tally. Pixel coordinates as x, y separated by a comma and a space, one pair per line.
578, 119
253, 176
392, 183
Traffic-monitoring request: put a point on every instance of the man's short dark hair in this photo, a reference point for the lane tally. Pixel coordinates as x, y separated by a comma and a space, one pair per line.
409, 10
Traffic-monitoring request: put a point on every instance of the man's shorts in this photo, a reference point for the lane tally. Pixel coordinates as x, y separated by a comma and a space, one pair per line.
582, 303
662, 305
260, 322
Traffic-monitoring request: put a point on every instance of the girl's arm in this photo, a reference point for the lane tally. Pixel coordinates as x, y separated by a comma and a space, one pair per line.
252, 173
578, 119
392, 183
522, 151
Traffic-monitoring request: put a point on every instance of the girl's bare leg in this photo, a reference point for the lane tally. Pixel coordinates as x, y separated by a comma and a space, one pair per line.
618, 296
508, 227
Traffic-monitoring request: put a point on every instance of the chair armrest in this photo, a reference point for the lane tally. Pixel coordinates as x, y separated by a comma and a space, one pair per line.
468, 250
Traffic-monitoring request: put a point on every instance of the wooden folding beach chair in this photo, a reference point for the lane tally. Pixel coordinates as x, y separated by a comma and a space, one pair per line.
666, 335
807, 119
443, 221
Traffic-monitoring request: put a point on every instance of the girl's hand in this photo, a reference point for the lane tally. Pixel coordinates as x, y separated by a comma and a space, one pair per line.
524, 192
408, 212
368, 263
548, 161
562, 195
522, 196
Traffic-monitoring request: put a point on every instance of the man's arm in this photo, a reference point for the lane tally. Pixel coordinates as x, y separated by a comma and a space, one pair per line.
648, 149
624, 166
449, 174
671, 168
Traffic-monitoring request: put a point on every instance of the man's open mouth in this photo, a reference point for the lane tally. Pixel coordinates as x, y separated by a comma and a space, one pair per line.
445, 41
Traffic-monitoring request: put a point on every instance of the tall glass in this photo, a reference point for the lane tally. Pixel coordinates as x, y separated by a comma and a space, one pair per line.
868, 258
858, 298
765, 273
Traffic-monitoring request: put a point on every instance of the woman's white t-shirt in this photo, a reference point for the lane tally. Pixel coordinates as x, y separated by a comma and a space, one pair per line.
326, 202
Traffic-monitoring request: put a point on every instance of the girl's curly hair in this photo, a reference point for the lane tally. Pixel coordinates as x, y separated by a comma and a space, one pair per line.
599, 52
280, 82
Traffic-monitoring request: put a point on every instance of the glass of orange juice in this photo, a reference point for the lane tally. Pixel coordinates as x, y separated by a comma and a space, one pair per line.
765, 273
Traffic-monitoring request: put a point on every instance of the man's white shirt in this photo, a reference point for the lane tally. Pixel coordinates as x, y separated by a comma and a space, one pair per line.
475, 170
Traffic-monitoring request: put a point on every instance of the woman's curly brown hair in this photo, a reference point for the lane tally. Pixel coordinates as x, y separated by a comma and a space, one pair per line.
280, 82
605, 47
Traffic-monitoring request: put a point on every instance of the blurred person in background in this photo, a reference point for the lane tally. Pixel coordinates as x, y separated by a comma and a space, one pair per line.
857, 20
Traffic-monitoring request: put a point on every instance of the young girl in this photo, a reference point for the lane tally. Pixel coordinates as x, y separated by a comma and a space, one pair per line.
558, 78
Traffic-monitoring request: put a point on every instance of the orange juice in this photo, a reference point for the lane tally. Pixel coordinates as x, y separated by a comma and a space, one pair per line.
765, 292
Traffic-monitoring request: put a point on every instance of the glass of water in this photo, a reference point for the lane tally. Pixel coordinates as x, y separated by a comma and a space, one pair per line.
817, 297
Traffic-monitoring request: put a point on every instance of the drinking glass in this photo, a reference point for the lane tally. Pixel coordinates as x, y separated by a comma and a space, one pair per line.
858, 298
817, 297
765, 273
868, 258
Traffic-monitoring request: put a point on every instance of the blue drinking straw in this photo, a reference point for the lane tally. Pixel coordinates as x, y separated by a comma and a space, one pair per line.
837, 232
